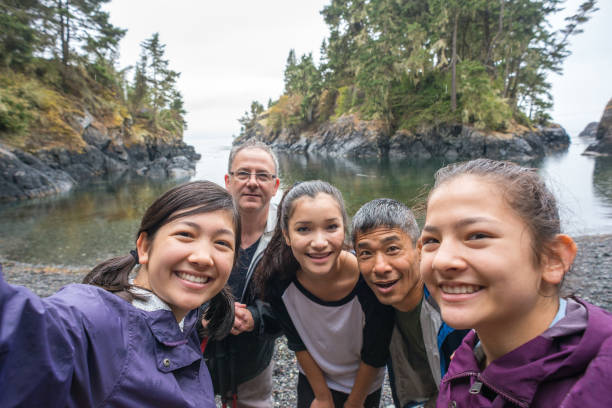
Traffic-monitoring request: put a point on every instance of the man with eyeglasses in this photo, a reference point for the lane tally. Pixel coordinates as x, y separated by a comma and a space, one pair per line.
240, 365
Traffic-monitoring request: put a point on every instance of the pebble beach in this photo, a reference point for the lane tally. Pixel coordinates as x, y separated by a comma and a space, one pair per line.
589, 279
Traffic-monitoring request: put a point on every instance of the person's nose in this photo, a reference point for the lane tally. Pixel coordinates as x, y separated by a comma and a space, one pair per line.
319, 240
201, 255
252, 181
381, 266
448, 257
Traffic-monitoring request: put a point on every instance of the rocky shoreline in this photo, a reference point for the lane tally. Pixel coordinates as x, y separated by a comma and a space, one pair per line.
51, 171
350, 136
590, 279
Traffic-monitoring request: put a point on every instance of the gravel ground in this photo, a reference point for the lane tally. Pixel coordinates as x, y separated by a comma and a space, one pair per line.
590, 279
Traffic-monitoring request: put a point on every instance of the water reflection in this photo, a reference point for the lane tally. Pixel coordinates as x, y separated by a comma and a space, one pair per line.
602, 182
364, 179
82, 227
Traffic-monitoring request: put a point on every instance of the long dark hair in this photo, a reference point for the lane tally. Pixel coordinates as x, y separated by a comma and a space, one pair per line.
278, 262
187, 199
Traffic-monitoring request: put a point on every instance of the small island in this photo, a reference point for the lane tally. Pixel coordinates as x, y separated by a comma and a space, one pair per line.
420, 80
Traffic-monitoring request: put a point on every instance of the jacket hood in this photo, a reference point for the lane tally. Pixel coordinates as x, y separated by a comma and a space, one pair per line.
564, 350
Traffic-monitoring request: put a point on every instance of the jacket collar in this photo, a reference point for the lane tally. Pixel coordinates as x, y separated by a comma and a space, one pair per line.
545, 357
161, 319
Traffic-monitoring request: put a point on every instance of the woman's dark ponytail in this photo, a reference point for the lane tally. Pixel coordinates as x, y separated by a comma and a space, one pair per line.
219, 313
113, 275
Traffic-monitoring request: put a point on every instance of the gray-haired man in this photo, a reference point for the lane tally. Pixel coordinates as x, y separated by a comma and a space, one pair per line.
385, 235
240, 364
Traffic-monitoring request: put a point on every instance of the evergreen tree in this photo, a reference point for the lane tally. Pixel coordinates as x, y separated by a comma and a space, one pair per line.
160, 79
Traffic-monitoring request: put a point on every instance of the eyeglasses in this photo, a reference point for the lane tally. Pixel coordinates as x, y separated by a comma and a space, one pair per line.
262, 177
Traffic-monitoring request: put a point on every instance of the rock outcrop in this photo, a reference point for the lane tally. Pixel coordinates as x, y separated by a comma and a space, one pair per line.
349, 136
103, 152
590, 130
603, 137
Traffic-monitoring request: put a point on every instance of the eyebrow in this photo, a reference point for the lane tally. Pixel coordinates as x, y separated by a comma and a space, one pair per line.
197, 227
333, 219
253, 170
384, 241
464, 222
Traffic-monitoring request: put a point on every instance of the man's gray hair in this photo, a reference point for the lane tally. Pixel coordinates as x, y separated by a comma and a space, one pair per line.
252, 144
385, 213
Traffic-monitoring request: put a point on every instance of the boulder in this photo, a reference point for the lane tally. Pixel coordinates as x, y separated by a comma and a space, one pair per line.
603, 137
23, 176
590, 130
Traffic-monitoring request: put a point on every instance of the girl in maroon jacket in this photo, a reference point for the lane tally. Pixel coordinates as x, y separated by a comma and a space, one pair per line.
493, 257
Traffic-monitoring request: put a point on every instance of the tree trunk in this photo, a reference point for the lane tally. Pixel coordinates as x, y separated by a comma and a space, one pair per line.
454, 66
64, 31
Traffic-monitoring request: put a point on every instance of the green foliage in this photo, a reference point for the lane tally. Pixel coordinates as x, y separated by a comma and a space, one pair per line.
286, 113
15, 113
152, 95
344, 101
58, 58
249, 119
480, 102
416, 63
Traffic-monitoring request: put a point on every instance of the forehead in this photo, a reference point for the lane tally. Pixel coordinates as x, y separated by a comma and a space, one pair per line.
381, 236
469, 196
254, 159
209, 223
320, 207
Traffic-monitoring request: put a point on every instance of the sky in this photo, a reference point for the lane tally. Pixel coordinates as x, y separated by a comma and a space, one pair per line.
232, 52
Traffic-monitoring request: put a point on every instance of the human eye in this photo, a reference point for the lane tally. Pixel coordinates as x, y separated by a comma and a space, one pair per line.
333, 227
243, 175
263, 176
429, 241
225, 243
301, 229
478, 235
393, 249
364, 254
184, 234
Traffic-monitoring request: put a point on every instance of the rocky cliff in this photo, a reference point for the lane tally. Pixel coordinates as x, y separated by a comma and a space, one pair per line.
603, 137
100, 152
349, 136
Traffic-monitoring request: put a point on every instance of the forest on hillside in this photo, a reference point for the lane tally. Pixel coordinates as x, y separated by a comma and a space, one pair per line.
418, 63
59, 63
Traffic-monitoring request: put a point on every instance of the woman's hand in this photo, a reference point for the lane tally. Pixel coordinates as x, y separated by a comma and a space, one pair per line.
326, 403
243, 321
350, 404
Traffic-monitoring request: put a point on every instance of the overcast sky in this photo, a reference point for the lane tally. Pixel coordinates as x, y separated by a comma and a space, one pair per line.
232, 52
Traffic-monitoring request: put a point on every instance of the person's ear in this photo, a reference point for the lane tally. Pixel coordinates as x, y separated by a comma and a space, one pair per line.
555, 264
143, 246
227, 182
286, 238
276, 185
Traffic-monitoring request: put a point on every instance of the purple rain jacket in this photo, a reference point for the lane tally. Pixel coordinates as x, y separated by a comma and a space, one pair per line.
86, 347
569, 365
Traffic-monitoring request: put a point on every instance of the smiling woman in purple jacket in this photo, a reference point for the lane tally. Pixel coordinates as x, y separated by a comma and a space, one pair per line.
121, 341
493, 257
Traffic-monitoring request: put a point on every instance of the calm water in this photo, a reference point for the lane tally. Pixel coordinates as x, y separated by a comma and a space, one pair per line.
91, 224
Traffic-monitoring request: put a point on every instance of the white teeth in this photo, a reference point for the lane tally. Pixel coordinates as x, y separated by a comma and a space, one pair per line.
463, 289
193, 278
317, 255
